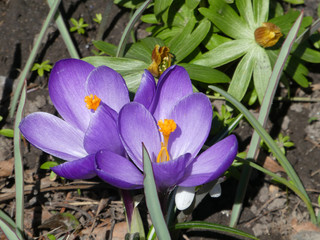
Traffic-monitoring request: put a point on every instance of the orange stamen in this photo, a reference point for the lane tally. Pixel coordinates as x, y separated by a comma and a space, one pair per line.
166, 128
92, 102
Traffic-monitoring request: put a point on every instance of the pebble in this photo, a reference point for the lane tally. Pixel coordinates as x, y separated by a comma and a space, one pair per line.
306, 235
276, 204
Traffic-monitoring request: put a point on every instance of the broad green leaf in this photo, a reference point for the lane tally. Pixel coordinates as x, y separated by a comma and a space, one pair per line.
122, 65
152, 199
225, 53
297, 71
105, 47
261, 72
186, 43
212, 226
8, 231
205, 74
161, 6
166, 34
149, 18
6, 132
260, 11
246, 12
227, 20
216, 40
307, 54
133, 80
242, 76
192, 4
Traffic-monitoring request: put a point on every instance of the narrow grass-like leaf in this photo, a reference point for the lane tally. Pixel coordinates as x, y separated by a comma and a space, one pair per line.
32, 57
263, 116
7, 219
127, 30
8, 230
213, 226
242, 75
270, 143
64, 33
260, 11
152, 200
227, 20
225, 53
205, 74
18, 165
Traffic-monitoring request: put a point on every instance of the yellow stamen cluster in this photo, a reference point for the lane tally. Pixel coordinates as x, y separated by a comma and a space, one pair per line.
92, 102
267, 35
166, 127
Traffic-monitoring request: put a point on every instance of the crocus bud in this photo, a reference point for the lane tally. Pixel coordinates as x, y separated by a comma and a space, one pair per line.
161, 60
267, 35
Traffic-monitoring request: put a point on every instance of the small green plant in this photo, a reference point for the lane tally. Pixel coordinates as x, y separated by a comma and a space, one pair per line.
98, 18
283, 142
79, 26
40, 68
47, 165
6, 132
226, 116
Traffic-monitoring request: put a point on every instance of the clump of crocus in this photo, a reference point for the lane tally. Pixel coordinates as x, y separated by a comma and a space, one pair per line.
88, 99
173, 124
267, 35
161, 60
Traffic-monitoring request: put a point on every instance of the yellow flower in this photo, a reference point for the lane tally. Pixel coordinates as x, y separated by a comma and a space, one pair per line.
267, 35
161, 60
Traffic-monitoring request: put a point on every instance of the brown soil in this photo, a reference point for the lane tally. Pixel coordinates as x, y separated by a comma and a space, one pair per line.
270, 211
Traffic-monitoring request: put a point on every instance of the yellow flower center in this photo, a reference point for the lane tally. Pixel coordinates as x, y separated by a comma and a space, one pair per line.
92, 102
166, 127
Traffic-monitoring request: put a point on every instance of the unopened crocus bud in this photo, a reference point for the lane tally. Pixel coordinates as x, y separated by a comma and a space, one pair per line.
267, 35
161, 60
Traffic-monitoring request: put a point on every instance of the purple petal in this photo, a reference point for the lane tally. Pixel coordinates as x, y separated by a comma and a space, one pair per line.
102, 132
173, 85
78, 169
118, 171
212, 163
53, 135
109, 86
67, 91
193, 116
146, 90
168, 174
137, 126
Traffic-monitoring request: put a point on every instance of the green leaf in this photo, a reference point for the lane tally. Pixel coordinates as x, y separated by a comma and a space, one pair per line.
246, 12
307, 54
161, 6
152, 200
192, 4
260, 11
216, 40
227, 20
213, 226
261, 72
242, 76
225, 53
105, 47
8, 231
205, 74
185, 43
295, 1
149, 18
7, 132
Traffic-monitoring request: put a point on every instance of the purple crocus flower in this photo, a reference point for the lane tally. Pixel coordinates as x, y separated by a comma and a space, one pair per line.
88, 99
173, 123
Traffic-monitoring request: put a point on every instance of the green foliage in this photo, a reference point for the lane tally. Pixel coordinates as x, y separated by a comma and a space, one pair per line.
78, 26
6, 132
283, 142
47, 165
98, 18
42, 67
